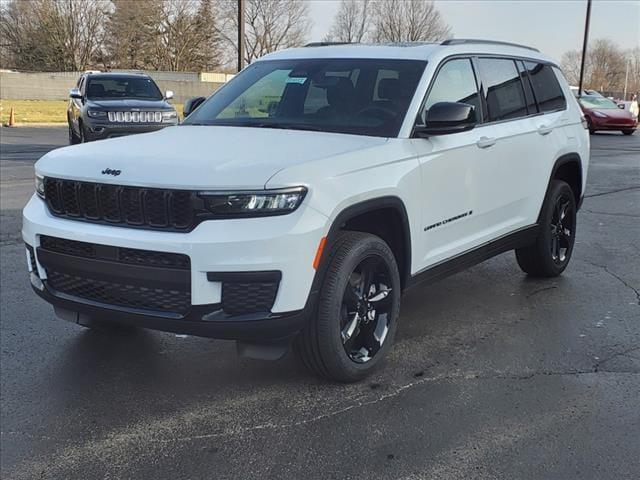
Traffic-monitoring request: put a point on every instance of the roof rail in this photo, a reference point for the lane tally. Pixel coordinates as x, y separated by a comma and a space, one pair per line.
464, 41
327, 44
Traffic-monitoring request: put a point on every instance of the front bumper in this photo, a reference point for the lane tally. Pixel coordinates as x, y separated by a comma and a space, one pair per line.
613, 124
285, 244
100, 131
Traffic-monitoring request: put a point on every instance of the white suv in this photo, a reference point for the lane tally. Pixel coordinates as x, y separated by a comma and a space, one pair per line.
297, 203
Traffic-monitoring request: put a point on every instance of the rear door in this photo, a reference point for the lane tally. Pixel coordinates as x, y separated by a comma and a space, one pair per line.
520, 148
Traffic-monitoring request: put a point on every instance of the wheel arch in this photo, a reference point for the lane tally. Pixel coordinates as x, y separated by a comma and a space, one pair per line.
385, 217
567, 168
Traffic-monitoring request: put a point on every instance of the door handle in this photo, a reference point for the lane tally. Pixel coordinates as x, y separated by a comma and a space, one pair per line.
544, 130
485, 142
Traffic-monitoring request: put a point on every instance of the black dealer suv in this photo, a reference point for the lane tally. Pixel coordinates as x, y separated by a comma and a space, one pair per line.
107, 105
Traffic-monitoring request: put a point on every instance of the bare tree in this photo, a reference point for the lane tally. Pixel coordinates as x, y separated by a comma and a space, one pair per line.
53, 34
408, 21
570, 64
270, 25
604, 66
632, 57
352, 23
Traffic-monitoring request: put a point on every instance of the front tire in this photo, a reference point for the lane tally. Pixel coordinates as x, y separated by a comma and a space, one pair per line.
628, 131
73, 138
549, 255
356, 318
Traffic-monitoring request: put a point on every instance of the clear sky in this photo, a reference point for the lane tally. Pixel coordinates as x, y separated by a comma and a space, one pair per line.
553, 26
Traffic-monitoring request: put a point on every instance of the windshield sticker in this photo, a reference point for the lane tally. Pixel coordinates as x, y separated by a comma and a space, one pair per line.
299, 80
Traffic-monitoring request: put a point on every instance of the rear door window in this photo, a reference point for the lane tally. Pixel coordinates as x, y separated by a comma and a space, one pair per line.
503, 91
528, 91
545, 87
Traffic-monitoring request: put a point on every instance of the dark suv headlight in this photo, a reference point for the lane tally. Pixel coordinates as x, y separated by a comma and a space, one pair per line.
253, 203
169, 116
96, 113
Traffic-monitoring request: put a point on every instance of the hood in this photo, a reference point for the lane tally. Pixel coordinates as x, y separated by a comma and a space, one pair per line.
198, 157
613, 112
125, 103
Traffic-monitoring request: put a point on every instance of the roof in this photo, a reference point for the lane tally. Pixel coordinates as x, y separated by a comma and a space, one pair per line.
409, 51
117, 74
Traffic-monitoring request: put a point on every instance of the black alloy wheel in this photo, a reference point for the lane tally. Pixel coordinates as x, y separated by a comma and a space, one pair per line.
551, 251
562, 228
365, 314
357, 310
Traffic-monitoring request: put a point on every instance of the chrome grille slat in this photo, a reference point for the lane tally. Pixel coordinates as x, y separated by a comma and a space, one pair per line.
150, 116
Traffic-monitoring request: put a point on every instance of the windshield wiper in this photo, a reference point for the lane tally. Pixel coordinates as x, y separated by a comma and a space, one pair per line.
285, 126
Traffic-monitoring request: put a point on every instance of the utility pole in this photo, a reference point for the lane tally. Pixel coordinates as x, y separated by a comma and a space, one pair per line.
584, 46
240, 34
626, 79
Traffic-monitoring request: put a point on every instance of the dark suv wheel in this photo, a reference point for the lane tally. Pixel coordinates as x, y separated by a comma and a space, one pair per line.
357, 312
73, 138
551, 252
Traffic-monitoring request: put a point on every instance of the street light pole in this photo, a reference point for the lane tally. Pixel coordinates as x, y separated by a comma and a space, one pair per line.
240, 34
584, 46
626, 79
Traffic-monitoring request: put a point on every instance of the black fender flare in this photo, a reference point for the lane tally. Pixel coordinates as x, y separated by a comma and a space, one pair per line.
355, 210
560, 161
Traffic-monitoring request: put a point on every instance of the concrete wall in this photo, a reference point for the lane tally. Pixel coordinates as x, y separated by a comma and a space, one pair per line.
56, 85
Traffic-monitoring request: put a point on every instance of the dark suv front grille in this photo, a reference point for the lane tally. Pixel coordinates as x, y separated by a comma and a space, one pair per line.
118, 205
117, 276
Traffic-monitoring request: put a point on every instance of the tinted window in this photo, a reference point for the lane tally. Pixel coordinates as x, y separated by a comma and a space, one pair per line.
545, 87
503, 89
601, 103
357, 96
455, 82
528, 92
110, 87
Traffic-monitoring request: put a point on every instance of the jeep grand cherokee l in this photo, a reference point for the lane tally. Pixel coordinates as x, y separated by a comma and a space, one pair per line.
298, 202
107, 105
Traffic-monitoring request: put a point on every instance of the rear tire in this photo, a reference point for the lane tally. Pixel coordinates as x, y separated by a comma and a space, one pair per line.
590, 126
356, 317
549, 255
628, 131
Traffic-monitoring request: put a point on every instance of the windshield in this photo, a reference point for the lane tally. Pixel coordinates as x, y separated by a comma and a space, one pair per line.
113, 87
357, 96
597, 102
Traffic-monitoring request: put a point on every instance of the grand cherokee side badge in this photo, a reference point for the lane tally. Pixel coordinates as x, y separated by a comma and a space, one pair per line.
108, 171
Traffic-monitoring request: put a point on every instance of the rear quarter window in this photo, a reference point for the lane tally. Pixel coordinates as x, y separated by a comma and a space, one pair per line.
546, 87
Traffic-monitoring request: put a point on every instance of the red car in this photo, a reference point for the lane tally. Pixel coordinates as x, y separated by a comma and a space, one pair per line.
604, 114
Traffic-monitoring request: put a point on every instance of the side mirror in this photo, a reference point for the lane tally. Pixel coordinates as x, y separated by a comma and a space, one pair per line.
168, 95
621, 106
191, 104
75, 93
444, 118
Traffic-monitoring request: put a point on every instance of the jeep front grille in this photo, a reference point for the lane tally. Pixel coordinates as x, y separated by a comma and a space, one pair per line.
135, 117
150, 208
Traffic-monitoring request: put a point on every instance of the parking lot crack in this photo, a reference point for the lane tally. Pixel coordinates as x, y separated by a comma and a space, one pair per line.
619, 278
610, 192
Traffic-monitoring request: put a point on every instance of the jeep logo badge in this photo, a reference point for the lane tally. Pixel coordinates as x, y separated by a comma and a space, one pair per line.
108, 171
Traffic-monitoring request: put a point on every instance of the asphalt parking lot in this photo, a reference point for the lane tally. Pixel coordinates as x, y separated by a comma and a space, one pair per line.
493, 375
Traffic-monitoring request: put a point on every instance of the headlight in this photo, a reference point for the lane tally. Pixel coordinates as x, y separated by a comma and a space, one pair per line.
599, 114
40, 185
96, 113
254, 203
169, 116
